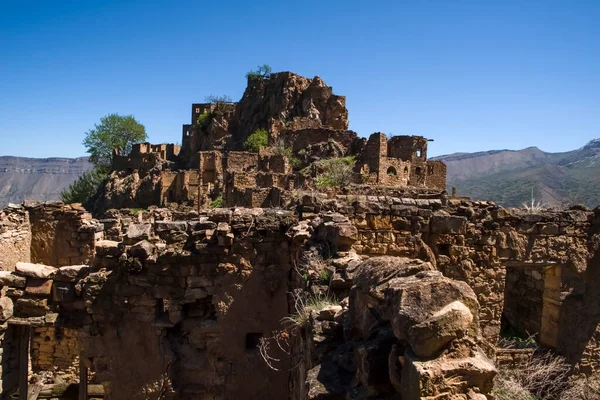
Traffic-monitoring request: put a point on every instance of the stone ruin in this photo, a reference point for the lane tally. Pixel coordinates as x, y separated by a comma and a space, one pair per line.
301, 115
172, 304
391, 290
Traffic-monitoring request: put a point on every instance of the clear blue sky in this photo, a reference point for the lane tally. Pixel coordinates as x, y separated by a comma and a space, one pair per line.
473, 75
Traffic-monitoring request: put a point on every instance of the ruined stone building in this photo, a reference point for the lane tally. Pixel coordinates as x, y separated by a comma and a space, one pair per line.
184, 305
301, 115
384, 289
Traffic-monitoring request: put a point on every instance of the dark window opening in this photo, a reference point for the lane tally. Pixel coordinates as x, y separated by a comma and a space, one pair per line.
405, 170
161, 309
418, 171
391, 171
443, 249
253, 340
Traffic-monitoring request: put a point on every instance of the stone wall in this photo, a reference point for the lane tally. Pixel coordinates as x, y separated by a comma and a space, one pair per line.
62, 235
55, 349
15, 237
171, 308
475, 242
193, 292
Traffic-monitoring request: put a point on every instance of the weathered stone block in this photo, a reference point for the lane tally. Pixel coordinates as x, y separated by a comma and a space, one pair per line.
39, 287
31, 307
35, 270
166, 226
6, 308
71, 273
8, 278
109, 248
142, 249
448, 224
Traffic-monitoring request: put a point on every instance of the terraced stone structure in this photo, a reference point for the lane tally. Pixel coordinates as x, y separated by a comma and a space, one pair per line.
306, 123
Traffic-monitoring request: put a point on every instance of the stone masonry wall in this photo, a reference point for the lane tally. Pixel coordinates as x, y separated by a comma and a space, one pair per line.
62, 235
169, 305
15, 237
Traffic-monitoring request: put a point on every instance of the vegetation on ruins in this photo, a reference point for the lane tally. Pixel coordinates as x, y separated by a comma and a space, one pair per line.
114, 132
543, 376
216, 203
84, 187
262, 71
220, 102
337, 172
305, 304
281, 149
257, 139
204, 119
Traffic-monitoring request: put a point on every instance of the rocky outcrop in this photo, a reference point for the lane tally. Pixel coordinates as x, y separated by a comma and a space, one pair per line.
288, 101
408, 330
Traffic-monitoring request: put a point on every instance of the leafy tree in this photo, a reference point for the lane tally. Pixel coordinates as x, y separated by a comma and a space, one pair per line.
114, 131
262, 71
84, 188
257, 139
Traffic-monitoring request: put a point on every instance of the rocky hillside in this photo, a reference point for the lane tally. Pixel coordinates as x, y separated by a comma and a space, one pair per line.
507, 176
37, 178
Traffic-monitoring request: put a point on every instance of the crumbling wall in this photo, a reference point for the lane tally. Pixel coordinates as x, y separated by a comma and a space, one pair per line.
15, 237
62, 234
56, 349
179, 321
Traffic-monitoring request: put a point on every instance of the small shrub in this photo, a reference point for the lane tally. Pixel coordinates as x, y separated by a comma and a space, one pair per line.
544, 376
305, 303
256, 140
337, 172
217, 203
325, 276
262, 71
289, 153
204, 119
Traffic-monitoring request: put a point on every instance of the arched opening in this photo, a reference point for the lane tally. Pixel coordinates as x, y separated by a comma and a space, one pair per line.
405, 170
391, 171
419, 153
418, 171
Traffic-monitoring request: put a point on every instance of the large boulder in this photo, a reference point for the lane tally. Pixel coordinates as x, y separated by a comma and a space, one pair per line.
435, 349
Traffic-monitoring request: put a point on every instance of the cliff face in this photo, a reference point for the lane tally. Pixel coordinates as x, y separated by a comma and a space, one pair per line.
38, 179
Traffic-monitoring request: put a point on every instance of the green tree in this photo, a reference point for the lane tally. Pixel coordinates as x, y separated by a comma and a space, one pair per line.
262, 71
257, 139
84, 188
114, 131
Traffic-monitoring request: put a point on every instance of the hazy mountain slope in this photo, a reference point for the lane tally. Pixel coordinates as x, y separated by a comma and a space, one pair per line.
37, 178
507, 176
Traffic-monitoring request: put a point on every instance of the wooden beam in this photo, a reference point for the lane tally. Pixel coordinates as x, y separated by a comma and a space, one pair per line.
83, 379
25, 333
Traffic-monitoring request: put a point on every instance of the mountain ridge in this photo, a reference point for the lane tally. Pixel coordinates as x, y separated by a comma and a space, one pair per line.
41, 179
507, 176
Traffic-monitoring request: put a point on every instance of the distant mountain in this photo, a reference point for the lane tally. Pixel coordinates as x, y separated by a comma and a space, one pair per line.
507, 176
37, 178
